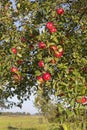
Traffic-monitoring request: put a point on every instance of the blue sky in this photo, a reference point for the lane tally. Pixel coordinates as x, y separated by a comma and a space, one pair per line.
28, 106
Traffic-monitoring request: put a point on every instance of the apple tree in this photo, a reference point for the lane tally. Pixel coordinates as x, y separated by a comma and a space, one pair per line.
43, 50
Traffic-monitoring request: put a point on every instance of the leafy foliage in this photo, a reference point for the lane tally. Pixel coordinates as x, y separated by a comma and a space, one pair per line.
24, 30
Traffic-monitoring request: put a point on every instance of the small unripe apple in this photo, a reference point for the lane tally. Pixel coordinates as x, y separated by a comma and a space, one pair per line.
42, 45
41, 64
49, 25
14, 50
46, 76
14, 69
60, 11
40, 79
53, 30
18, 5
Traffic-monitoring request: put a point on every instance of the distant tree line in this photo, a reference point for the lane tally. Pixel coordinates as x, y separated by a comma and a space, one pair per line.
14, 113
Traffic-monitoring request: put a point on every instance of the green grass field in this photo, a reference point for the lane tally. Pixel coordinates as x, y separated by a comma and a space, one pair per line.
23, 123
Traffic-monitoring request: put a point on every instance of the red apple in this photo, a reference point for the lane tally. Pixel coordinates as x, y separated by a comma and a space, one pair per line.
14, 50
60, 11
42, 45
84, 99
40, 79
14, 69
58, 54
41, 64
53, 48
49, 25
46, 76
53, 30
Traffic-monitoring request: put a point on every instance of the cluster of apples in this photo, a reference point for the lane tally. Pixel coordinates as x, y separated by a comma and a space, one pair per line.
50, 25
17, 76
46, 76
83, 100
57, 52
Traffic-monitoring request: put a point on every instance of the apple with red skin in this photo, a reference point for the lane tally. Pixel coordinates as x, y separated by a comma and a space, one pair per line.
46, 76
41, 64
14, 69
53, 48
84, 99
58, 54
14, 50
40, 79
53, 30
42, 45
49, 25
60, 11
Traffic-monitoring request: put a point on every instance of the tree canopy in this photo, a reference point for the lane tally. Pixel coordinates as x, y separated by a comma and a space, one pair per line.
43, 49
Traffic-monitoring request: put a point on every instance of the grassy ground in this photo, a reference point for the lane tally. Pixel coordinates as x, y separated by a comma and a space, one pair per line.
23, 123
